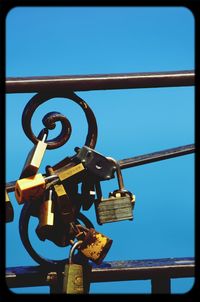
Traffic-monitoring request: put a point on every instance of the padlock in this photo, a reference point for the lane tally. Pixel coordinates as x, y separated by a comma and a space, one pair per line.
9, 208
50, 226
95, 245
31, 188
76, 275
71, 171
64, 203
119, 206
46, 216
35, 156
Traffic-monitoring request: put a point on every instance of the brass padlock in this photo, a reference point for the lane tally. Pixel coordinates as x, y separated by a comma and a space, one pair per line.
51, 225
64, 203
35, 156
46, 216
71, 171
31, 188
95, 245
76, 275
9, 208
119, 206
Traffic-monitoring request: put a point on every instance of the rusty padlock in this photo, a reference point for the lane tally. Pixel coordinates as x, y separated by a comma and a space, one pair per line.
95, 245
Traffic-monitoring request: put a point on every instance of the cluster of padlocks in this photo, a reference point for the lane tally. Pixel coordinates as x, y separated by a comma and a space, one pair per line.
55, 199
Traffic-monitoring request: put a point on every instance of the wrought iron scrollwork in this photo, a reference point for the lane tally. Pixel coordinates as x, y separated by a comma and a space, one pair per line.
24, 235
49, 121
51, 118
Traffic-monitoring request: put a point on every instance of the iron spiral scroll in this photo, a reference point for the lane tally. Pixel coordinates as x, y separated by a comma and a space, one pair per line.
51, 118
49, 122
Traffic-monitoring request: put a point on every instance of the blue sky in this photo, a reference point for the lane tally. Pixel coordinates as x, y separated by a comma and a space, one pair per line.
42, 41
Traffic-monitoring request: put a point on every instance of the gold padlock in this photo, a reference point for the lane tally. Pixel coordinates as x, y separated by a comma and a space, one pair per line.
46, 217
50, 226
95, 245
31, 188
76, 275
70, 170
35, 156
64, 203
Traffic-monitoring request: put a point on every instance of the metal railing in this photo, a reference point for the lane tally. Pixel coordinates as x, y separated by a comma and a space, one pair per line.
159, 271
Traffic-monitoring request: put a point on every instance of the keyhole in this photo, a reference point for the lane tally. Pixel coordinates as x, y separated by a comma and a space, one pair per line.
98, 165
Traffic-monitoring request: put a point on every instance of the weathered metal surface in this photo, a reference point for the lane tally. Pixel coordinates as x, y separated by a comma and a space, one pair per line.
114, 209
73, 279
95, 246
108, 271
100, 81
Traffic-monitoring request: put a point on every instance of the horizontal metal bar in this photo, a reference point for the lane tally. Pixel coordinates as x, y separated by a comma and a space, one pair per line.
139, 160
143, 269
100, 81
156, 156
106, 272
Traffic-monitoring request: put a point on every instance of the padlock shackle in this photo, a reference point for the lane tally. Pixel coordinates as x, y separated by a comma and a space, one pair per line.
50, 194
44, 137
119, 173
72, 250
43, 134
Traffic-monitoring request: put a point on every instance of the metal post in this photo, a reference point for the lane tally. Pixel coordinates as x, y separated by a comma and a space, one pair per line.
55, 281
160, 285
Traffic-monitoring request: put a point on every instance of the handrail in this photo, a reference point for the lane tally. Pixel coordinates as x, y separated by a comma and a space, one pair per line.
156, 156
100, 81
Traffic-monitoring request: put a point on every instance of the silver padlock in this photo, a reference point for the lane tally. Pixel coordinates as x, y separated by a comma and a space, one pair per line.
119, 206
